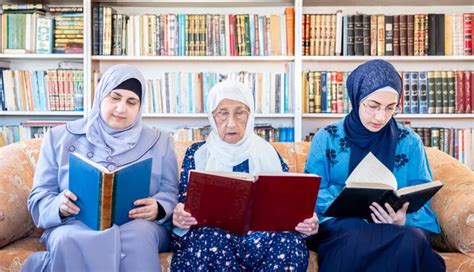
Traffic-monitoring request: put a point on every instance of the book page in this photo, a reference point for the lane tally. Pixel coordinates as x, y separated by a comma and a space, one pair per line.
371, 170
235, 175
92, 163
419, 187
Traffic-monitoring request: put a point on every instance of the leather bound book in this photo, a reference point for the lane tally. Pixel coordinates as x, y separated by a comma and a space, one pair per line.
440, 34
105, 197
366, 34
350, 35
431, 34
396, 35
358, 35
388, 35
239, 202
410, 35
403, 35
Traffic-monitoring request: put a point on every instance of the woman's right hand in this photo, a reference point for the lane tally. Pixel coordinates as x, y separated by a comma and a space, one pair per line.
67, 206
181, 218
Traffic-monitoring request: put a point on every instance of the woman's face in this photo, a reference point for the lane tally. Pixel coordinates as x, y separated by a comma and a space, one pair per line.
120, 108
376, 109
231, 119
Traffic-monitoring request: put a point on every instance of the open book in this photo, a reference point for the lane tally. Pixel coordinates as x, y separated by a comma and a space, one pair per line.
372, 182
105, 197
239, 202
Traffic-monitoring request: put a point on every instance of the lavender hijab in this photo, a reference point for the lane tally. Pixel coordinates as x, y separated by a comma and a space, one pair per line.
363, 81
98, 133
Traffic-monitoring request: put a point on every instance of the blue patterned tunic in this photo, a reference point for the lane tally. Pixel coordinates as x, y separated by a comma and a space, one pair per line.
213, 249
329, 157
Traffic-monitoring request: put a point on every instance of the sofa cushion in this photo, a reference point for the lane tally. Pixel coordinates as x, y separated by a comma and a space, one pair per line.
453, 204
17, 167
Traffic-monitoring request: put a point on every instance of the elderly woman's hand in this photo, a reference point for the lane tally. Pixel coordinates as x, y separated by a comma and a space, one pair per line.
181, 218
388, 215
309, 226
147, 211
67, 206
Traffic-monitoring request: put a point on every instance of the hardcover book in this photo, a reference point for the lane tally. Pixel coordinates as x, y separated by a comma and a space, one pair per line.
239, 202
372, 182
105, 197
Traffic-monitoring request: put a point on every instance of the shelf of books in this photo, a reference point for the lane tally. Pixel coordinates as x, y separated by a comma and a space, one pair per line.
41, 67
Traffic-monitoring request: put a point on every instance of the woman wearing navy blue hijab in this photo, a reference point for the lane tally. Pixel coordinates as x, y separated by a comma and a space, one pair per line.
392, 240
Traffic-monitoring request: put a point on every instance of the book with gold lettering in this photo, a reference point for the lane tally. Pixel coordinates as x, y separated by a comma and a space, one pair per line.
106, 195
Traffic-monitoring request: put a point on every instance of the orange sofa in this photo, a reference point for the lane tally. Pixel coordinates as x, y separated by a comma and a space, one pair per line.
454, 204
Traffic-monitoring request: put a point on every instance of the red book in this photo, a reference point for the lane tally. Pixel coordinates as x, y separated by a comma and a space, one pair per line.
468, 92
467, 31
239, 202
460, 102
471, 85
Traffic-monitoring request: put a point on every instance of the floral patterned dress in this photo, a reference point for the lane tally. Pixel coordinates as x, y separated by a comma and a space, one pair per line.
213, 249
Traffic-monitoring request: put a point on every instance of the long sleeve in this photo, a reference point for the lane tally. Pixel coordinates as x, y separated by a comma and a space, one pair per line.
44, 199
317, 163
419, 172
168, 189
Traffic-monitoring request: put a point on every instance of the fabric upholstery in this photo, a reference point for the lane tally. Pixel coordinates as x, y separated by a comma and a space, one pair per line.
454, 204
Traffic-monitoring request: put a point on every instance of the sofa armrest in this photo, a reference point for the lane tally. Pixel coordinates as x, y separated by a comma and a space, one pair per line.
17, 163
454, 203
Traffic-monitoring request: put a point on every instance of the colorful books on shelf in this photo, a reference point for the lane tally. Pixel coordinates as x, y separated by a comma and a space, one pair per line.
33, 28
192, 34
267, 202
424, 92
27, 130
42, 90
106, 196
387, 34
372, 182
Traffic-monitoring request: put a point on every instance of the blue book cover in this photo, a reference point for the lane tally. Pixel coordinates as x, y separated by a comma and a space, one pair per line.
423, 92
324, 93
406, 92
414, 93
104, 197
260, 35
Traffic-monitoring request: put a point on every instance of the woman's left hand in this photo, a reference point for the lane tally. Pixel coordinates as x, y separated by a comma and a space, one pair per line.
309, 226
388, 215
147, 211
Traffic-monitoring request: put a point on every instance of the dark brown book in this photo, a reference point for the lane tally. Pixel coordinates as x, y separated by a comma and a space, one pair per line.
350, 35
403, 35
440, 34
366, 34
410, 35
432, 35
396, 35
239, 202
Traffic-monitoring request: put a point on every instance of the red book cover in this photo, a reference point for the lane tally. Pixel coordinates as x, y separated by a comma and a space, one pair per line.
467, 31
471, 85
468, 91
460, 101
239, 202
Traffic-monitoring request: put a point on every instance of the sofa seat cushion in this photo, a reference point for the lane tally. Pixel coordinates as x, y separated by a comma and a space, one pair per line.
458, 262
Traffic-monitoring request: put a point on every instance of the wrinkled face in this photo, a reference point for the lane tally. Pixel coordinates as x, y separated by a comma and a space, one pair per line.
376, 109
120, 108
231, 119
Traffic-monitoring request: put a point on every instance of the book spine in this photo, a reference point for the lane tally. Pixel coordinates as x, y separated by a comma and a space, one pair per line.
445, 92
366, 34
358, 35
396, 35
467, 31
410, 35
423, 89
389, 35
440, 34
106, 201
431, 92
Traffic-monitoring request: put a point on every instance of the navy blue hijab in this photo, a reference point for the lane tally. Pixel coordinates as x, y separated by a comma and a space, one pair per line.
363, 81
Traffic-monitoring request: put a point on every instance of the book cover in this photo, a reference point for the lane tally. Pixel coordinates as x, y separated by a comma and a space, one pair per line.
372, 182
239, 202
105, 197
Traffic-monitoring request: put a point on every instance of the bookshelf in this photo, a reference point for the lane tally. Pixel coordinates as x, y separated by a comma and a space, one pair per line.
303, 123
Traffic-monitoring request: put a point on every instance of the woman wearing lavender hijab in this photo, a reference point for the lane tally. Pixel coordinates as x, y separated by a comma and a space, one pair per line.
113, 136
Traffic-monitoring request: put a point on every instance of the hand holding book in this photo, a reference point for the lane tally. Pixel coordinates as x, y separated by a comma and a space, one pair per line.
388, 215
67, 206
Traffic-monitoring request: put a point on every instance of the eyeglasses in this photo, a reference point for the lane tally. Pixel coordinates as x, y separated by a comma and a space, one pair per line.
239, 115
372, 110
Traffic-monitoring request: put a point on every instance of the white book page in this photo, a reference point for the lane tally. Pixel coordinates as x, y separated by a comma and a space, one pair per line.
371, 170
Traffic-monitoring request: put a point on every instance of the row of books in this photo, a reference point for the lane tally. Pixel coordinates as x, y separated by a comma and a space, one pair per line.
42, 90
29, 29
181, 92
192, 34
433, 92
387, 35
27, 130
459, 143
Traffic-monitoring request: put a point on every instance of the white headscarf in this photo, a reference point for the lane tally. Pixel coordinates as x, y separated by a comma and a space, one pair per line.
98, 132
217, 155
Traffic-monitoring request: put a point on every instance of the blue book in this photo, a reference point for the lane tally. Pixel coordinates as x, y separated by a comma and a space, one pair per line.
105, 197
252, 34
324, 93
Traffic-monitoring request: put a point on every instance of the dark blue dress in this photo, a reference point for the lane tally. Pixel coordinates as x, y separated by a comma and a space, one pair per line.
213, 249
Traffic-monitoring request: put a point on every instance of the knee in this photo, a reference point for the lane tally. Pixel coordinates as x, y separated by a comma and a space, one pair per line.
140, 228
61, 240
413, 239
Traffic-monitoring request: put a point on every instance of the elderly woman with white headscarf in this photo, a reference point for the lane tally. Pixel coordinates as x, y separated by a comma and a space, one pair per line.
233, 146
113, 136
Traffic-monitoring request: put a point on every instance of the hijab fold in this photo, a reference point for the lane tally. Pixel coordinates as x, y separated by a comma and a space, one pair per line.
363, 81
217, 155
98, 133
